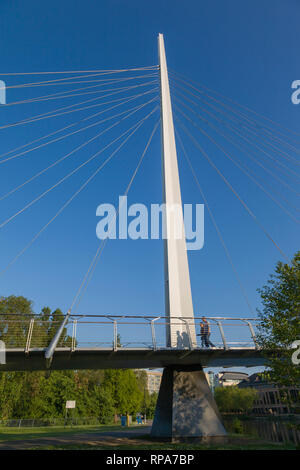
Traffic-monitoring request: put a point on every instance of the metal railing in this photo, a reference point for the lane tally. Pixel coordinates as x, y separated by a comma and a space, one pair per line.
121, 332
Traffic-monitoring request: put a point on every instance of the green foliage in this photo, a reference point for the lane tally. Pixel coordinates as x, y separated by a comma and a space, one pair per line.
234, 399
280, 321
103, 404
151, 404
13, 330
15, 316
237, 426
39, 395
149, 400
123, 387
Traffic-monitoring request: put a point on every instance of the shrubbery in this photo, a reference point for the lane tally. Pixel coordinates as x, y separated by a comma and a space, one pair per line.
234, 399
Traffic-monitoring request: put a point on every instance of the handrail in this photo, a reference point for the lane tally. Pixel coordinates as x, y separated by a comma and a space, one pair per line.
109, 315
121, 322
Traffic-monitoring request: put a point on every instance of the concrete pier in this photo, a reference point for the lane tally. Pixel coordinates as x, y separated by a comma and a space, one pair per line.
186, 409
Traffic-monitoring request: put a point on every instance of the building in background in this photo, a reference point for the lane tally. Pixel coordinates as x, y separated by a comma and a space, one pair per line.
153, 380
229, 378
272, 399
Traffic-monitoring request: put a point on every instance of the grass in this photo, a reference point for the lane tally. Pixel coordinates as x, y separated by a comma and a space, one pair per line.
170, 448
10, 434
247, 445
142, 442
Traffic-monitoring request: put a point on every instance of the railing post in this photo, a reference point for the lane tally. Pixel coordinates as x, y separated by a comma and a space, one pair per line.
222, 334
252, 333
29, 336
153, 333
73, 345
115, 336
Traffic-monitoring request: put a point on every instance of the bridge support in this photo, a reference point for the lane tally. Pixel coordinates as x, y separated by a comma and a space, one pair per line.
186, 409
51, 348
178, 295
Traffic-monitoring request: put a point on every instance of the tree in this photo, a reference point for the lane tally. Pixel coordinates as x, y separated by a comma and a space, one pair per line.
123, 387
13, 329
151, 405
43, 395
280, 321
234, 399
104, 405
15, 315
45, 326
142, 380
11, 389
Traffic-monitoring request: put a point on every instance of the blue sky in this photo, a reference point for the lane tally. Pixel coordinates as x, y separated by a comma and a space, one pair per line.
245, 50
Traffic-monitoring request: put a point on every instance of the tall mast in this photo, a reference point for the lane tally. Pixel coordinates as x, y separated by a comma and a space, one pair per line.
178, 295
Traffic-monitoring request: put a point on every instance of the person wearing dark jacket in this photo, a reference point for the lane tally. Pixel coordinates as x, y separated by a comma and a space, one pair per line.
205, 334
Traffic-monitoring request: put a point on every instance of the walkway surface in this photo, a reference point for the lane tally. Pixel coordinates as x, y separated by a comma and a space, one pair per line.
107, 439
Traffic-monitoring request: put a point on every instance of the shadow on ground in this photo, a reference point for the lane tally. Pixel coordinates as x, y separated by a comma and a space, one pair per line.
132, 439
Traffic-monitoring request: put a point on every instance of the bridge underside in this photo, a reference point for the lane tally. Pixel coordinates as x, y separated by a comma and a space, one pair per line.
19, 360
185, 408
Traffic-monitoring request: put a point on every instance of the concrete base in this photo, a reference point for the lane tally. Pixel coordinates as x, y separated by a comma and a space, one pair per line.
186, 409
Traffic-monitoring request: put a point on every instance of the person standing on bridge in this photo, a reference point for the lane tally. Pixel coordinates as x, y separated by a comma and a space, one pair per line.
205, 334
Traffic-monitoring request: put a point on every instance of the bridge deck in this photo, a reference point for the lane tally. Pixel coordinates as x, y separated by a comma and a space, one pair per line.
131, 358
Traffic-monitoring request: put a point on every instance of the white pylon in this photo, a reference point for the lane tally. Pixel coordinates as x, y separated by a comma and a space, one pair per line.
178, 295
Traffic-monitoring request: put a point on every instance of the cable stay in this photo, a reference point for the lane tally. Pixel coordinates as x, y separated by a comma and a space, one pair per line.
235, 272
71, 94
128, 114
66, 204
47, 82
233, 190
218, 131
38, 117
187, 80
89, 273
242, 167
106, 81
286, 155
153, 90
233, 129
135, 127
127, 100
78, 130
82, 71
257, 162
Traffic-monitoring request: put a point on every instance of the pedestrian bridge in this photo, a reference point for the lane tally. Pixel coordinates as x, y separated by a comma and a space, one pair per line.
124, 341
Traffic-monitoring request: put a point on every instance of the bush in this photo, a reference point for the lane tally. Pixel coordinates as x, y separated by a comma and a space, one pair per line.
233, 399
237, 426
